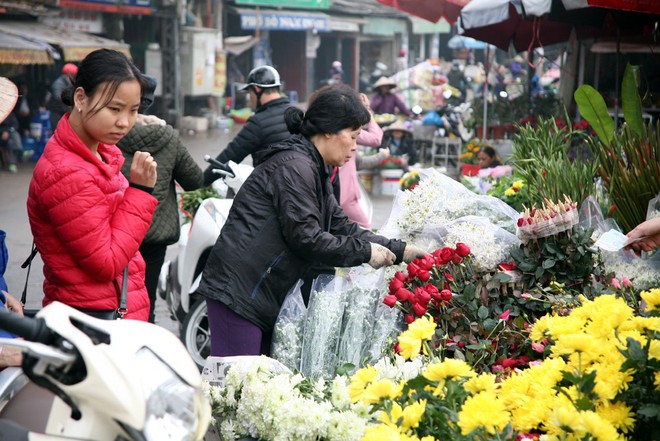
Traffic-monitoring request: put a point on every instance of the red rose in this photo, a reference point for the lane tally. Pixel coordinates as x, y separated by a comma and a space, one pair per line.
505, 315
390, 301
400, 276
426, 262
446, 295
446, 255
397, 348
403, 294
409, 318
508, 266
510, 363
520, 221
462, 249
413, 269
431, 289
395, 284
419, 309
423, 275
457, 259
422, 296
449, 277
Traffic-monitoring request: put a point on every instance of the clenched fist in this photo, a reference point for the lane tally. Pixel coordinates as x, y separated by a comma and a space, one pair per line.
143, 169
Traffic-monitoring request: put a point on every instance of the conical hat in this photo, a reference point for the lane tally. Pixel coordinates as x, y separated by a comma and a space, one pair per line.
8, 97
398, 125
384, 81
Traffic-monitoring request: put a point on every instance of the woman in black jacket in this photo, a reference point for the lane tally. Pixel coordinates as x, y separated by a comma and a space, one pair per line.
284, 219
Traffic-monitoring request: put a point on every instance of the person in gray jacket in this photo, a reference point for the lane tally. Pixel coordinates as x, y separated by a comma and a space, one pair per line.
175, 164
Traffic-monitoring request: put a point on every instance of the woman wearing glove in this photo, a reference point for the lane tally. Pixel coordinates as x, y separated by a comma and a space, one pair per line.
285, 219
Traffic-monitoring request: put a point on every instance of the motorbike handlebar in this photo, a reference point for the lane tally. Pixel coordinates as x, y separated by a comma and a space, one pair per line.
219, 165
31, 329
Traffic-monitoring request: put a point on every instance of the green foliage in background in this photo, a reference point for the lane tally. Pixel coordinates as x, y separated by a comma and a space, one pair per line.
628, 160
541, 158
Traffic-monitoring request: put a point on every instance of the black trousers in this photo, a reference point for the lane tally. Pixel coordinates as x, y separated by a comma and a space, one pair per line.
154, 256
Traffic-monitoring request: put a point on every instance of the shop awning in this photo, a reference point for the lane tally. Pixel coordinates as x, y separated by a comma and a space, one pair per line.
252, 19
17, 50
238, 45
385, 26
75, 45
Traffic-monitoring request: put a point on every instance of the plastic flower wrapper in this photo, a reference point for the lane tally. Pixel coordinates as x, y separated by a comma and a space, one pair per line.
323, 326
362, 297
643, 273
552, 218
288, 331
490, 245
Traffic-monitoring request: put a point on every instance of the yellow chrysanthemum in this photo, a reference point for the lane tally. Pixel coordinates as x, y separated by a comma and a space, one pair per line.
570, 343
518, 184
610, 380
409, 346
379, 389
562, 419
383, 433
394, 417
412, 414
360, 380
422, 328
509, 192
480, 383
540, 328
566, 325
618, 414
599, 428
652, 299
447, 369
485, 411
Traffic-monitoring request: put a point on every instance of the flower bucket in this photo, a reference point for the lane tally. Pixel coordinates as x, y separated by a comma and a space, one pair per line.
390, 181
469, 169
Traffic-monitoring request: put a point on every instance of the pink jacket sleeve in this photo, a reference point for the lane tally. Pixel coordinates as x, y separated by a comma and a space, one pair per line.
371, 135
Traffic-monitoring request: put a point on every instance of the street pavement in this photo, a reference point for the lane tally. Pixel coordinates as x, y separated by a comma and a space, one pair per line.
14, 220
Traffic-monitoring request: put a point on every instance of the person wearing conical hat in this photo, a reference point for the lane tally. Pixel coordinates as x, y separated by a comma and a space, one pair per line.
398, 138
385, 101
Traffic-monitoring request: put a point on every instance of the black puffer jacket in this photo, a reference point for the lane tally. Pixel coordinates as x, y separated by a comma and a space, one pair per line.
262, 129
284, 219
174, 164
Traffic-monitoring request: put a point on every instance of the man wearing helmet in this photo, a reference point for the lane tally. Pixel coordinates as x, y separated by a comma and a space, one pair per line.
63, 82
263, 128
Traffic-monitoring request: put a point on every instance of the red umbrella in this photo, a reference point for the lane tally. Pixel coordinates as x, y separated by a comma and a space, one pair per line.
431, 10
645, 6
502, 23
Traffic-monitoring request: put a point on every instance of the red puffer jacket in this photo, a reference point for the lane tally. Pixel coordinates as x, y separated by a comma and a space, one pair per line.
88, 224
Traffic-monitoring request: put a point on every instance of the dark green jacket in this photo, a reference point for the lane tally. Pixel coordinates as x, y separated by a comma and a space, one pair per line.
174, 165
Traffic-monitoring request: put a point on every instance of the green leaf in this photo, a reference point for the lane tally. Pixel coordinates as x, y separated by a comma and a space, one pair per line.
548, 263
650, 411
631, 104
483, 312
539, 272
593, 108
489, 324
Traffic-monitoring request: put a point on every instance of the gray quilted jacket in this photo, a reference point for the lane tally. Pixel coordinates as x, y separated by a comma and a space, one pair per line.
174, 164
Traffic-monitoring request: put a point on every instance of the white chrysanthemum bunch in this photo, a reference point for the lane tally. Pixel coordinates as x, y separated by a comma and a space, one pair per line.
399, 369
644, 273
486, 252
274, 407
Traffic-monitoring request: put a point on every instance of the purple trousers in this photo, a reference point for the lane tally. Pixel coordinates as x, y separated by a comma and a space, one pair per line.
232, 334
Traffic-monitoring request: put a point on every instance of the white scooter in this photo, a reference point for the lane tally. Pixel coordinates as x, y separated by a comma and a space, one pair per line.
98, 380
180, 277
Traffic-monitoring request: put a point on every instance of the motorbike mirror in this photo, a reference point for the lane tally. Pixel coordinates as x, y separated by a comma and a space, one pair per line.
417, 110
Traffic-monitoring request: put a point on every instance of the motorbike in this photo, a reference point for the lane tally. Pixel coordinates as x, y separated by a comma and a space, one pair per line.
180, 277
454, 117
103, 380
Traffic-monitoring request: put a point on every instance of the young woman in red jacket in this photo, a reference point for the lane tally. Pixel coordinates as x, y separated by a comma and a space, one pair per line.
87, 220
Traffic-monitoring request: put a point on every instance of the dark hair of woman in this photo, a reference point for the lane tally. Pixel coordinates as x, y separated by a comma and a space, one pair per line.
331, 109
103, 66
488, 150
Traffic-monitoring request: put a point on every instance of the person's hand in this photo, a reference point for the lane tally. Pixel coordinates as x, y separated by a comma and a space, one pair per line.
13, 304
365, 102
147, 120
143, 169
380, 256
645, 236
385, 152
412, 252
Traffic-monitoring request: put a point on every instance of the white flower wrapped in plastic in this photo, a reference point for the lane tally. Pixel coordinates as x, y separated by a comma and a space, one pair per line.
362, 297
288, 331
323, 326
